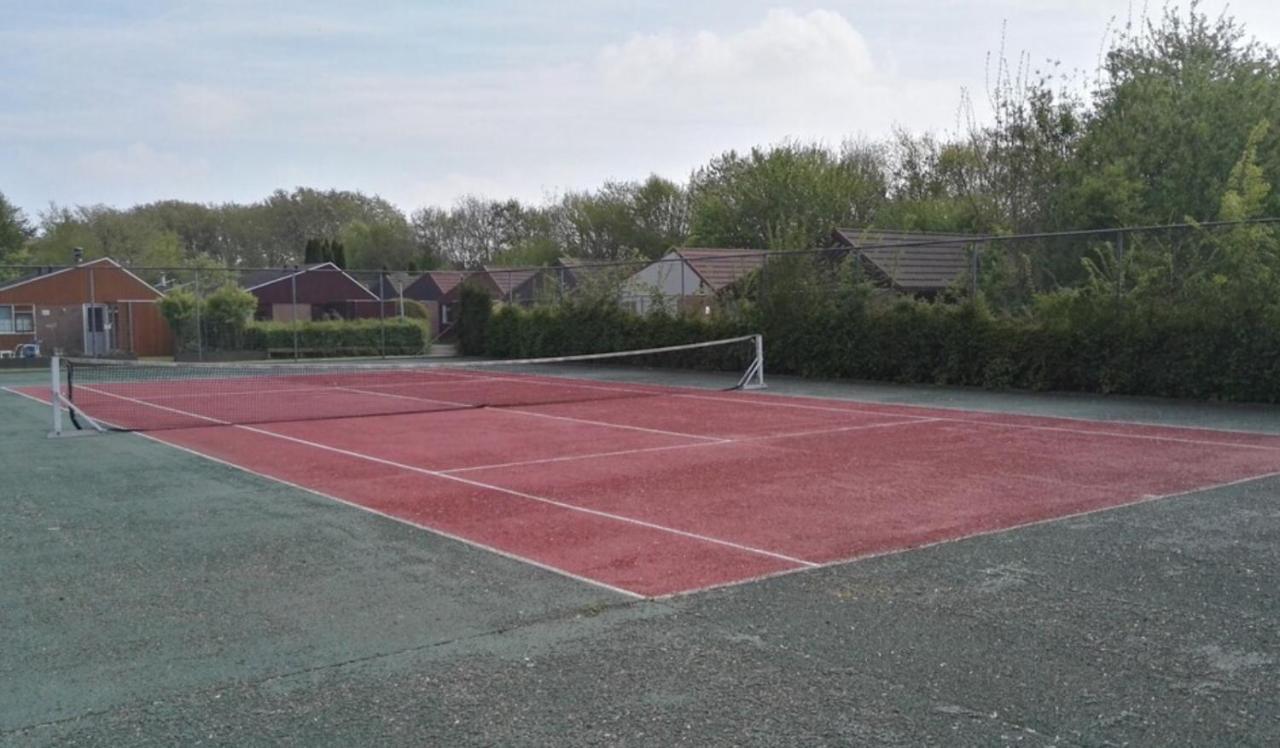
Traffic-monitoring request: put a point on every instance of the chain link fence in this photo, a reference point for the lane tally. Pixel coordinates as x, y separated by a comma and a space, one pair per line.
99, 308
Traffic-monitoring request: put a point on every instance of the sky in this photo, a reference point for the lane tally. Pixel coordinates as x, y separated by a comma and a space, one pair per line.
423, 102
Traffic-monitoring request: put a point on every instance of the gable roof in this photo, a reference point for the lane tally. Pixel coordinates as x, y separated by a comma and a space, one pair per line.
509, 280
259, 278
721, 267
43, 273
913, 261
447, 280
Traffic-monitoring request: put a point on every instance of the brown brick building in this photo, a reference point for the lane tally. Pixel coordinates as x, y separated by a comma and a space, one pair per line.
95, 308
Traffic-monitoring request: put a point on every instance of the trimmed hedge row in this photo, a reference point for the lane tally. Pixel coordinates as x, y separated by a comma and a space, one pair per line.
1083, 345
341, 337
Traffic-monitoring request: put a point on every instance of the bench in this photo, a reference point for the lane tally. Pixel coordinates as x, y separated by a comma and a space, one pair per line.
320, 352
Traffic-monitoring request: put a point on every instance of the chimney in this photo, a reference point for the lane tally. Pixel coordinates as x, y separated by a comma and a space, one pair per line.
77, 253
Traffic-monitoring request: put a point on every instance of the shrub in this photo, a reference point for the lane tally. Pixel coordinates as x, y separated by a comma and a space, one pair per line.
225, 313
363, 337
1071, 342
473, 319
179, 308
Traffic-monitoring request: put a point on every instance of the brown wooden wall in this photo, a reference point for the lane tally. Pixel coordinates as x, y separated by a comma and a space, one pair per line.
102, 283
144, 330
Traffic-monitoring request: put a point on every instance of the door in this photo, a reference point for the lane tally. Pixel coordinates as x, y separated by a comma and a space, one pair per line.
98, 329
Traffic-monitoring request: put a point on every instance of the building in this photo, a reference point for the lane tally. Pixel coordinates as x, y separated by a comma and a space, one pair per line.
96, 308
518, 285
441, 290
313, 292
912, 262
690, 279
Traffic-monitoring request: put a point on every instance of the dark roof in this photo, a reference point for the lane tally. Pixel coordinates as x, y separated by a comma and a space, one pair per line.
913, 261
720, 268
509, 280
447, 280
263, 277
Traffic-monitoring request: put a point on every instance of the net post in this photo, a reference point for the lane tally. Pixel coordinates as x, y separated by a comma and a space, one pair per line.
55, 393
753, 378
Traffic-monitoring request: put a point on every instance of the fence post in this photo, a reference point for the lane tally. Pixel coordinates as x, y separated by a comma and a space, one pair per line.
382, 313
764, 277
679, 302
199, 323
974, 268
92, 322
293, 314
1119, 282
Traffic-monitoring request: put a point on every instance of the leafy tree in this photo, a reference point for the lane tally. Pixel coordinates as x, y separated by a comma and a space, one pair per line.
1177, 102
179, 308
789, 196
14, 234
225, 313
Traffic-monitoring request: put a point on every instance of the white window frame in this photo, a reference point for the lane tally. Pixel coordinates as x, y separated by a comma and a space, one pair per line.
10, 326
30, 313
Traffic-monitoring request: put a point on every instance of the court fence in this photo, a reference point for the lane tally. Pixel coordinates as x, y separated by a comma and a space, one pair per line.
315, 310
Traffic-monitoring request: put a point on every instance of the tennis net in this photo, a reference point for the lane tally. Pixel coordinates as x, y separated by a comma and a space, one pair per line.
145, 396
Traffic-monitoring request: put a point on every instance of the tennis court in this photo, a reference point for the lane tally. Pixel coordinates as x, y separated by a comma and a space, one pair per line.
654, 489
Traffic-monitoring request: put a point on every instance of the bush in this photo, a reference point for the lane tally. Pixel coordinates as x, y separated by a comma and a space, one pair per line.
179, 308
341, 338
473, 319
225, 313
1070, 343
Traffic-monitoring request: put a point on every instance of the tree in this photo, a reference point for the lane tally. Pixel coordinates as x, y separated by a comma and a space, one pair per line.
788, 196
15, 232
1177, 102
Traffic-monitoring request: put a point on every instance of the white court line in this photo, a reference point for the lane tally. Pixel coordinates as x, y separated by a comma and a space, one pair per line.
980, 534
642, 450
535, 414
733, 583
478, 484
1002, 424
403, 521
748, 399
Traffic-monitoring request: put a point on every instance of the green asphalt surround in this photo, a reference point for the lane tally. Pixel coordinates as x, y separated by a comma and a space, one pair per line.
154, 597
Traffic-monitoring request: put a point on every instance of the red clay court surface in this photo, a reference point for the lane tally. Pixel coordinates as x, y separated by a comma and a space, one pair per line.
691, 489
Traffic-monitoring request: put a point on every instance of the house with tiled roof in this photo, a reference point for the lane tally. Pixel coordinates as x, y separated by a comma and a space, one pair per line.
689, 278
316, 291
94, 308
911, 262
440, 291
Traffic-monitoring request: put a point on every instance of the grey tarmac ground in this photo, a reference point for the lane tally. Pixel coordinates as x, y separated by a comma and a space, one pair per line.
150, 597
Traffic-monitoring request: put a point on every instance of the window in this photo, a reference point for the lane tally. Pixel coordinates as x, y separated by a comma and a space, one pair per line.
444, 314
24, 320
6, 319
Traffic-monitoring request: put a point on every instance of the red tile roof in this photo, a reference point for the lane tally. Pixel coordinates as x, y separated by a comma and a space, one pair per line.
913, 261
721, 267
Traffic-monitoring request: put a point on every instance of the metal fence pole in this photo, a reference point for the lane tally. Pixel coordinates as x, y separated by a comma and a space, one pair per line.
764, 278
199, 324
1119, 281
382, 313
293, 315
91, 334
974, 267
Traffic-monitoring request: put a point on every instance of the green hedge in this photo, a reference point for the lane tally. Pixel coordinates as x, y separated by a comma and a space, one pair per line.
1076, 344
475, 307
341, 337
